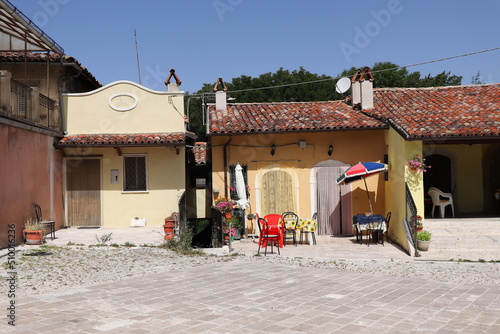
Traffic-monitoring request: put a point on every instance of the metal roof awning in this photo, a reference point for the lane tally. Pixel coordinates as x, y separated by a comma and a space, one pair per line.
19, 33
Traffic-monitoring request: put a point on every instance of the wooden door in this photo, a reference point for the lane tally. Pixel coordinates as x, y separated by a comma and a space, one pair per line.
83, 192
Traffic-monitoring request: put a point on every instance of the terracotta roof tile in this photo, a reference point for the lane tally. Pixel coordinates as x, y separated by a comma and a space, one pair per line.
201, 153
288, 116
113, 140
453, 112
35, 57
441, 112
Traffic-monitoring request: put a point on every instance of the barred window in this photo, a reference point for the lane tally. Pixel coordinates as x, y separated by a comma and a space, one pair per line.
134, 173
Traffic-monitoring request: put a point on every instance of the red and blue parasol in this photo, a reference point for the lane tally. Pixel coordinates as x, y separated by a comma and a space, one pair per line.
361, 171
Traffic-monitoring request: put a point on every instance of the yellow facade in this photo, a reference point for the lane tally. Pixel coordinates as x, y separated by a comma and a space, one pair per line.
349, 148
127, 108
124, 107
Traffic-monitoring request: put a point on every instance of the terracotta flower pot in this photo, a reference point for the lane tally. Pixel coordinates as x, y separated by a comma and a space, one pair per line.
228, 214
33, 237
169, 229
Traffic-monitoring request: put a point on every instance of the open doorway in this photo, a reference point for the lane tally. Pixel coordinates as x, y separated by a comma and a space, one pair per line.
438, 176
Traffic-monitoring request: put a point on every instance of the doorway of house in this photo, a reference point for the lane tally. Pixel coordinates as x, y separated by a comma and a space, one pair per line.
83, 192
333, 202
438, 176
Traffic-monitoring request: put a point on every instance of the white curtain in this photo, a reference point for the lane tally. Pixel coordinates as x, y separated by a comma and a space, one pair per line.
278, 187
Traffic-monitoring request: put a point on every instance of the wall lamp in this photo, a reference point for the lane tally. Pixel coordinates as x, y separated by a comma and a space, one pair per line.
330, 150
273, 149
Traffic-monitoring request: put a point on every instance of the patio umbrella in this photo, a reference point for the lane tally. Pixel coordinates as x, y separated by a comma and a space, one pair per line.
361, 171
241, 189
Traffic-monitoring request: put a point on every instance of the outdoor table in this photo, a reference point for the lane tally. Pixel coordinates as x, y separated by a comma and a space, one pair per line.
363, 222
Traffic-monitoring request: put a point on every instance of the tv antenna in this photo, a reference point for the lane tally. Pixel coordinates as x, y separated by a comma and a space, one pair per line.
137, 56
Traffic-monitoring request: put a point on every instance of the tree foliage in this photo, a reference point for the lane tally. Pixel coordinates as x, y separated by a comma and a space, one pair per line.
387, 74
287, 86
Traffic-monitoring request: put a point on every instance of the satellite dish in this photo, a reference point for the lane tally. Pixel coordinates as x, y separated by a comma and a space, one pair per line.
343, 85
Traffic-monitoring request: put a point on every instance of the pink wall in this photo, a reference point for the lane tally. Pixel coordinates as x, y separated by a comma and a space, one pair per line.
30, 172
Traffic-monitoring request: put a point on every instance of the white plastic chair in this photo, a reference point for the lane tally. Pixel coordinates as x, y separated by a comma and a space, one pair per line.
440, 199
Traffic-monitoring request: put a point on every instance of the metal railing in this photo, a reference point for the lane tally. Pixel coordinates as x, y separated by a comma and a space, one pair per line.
411, 219
28, 104
20, 99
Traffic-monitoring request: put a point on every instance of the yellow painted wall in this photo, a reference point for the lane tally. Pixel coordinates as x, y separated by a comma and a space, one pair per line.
400, 152
350, 147
466, 169
91, 113
166, 175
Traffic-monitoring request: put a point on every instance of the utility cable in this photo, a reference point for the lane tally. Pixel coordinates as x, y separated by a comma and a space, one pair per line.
336, 78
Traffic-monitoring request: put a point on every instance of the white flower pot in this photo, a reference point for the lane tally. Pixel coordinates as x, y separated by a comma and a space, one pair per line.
423, 245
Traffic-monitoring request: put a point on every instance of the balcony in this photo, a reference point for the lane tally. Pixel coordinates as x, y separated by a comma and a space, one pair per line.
25, 105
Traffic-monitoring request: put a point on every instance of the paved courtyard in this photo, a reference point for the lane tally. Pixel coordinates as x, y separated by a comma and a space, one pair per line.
245, 296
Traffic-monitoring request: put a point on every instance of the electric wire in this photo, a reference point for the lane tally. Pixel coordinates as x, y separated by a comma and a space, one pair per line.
336, 78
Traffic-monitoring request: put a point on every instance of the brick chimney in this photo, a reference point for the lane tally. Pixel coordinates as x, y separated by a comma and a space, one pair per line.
220, 97
362, 88
173, 87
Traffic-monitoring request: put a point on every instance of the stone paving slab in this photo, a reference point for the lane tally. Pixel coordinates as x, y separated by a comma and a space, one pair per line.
243, 296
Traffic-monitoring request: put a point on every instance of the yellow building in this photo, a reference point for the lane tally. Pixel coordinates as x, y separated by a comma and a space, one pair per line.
124, 151
293, 152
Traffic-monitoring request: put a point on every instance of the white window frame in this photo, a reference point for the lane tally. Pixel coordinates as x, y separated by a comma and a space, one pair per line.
124, 174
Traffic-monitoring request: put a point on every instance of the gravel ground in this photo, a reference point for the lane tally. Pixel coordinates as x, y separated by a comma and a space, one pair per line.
60, 268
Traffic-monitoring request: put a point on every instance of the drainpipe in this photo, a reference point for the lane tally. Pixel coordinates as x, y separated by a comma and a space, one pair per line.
226, 166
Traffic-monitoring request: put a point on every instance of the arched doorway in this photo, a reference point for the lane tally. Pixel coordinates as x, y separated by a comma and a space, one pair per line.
277, 188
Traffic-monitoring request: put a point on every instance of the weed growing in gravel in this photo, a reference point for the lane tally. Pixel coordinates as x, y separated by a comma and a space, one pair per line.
182, 245
102, 239
71, 243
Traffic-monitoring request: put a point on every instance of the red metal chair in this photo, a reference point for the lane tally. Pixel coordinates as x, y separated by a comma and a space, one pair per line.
269, 235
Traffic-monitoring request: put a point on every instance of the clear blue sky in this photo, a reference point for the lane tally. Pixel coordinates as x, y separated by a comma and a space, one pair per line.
207, 39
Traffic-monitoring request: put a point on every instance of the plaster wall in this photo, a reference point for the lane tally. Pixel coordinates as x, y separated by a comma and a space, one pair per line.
37, 75
400, 152
165, 180
31, 173
350, 147
124, 107
467, 173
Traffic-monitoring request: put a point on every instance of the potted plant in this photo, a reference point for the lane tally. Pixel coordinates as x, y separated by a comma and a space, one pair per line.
418, 164
423, 240
34, 231
225, 206
420, 225
169, 227
232, 227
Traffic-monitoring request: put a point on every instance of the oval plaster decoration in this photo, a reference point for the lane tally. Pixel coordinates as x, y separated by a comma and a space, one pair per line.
123, 102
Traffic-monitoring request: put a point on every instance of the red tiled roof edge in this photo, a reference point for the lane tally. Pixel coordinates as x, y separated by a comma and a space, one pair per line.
15, 56
468, 112
132, 139
282, 117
